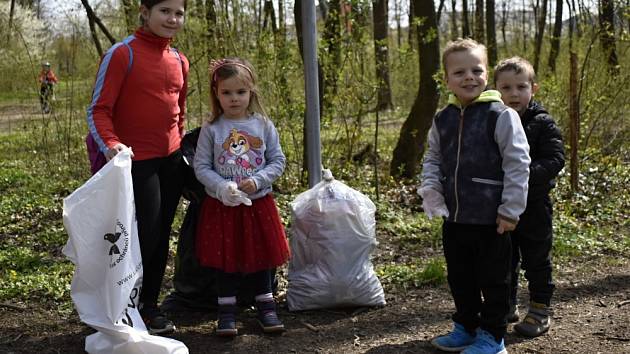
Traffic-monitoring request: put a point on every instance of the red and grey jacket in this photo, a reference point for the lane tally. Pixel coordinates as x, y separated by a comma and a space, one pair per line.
139, 97
47, 77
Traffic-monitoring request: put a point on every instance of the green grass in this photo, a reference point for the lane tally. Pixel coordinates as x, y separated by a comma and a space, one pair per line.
32, 186
431, 272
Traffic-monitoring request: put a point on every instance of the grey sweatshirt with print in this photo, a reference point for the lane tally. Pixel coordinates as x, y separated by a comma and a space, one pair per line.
234, 150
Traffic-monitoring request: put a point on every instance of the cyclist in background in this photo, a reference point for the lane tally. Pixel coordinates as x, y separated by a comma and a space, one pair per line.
47, 79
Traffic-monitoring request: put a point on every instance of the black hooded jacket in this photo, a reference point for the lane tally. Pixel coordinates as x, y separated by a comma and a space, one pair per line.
545, 149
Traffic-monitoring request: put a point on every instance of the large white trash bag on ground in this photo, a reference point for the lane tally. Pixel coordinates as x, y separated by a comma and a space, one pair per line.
103, 244
333, 233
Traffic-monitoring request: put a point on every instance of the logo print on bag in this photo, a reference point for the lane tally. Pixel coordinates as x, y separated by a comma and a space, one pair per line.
114, 238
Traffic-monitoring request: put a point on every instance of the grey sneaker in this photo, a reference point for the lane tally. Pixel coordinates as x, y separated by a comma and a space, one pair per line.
536, 322
513, 314
156, 322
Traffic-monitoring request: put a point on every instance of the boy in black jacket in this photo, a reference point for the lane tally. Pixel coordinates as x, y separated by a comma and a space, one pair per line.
532, 238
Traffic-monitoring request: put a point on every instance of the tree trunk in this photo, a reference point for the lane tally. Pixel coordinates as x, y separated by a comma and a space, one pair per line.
282, 23
479, 22
555, 38
454, 30
332, 60
410, 147
381, 50
91, 14
11, 13
269, 14
97, 42
131, 15
466, 23
576, 21
540, 32
412, 26
439, 12
491, 33
504, 17
211, 25
523, 23
398, 26
574, 110
574, 118
607, 34
257, 15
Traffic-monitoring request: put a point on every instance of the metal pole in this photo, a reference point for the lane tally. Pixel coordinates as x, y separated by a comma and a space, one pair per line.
313, 148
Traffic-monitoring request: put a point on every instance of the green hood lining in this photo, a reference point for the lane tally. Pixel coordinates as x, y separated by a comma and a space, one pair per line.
486, 96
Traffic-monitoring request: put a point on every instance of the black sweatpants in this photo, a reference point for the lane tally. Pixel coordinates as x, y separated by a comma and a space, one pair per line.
478, 263
531, 250
157, 187
229, 284
45, 92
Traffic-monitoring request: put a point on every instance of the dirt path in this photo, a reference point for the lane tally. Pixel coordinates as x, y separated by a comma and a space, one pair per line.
15, 116
592, 315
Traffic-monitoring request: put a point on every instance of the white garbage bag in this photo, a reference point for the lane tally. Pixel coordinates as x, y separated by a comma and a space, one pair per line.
333, 233
103, 244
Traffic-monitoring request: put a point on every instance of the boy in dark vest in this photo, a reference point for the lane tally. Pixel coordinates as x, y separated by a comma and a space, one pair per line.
532, 239
475, 176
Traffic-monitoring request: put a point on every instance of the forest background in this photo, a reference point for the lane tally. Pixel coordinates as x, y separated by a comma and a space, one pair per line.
380, 84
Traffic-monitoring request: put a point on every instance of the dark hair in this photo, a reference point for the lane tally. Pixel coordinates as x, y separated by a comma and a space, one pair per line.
150, 3
517, 65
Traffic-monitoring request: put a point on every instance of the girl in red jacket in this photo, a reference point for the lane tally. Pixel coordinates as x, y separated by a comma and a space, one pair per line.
139, 103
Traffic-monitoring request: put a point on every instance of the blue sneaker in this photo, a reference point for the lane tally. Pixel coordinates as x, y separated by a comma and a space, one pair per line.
485, 344
456, 341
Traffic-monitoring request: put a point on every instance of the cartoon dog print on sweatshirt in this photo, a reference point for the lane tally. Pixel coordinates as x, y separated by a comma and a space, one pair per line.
241, 154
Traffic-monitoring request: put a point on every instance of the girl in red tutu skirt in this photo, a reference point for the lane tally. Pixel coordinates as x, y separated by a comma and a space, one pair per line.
237, 159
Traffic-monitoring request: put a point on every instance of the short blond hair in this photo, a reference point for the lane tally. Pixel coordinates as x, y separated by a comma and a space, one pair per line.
463, 44
516, 64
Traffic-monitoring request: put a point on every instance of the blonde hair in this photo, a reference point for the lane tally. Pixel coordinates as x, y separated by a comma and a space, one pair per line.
227, 68
517, 65
463, 44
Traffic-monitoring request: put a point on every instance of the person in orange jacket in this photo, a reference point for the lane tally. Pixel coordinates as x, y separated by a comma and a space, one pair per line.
46, 79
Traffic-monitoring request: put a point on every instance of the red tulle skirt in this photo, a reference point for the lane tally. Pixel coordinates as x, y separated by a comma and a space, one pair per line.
244, 239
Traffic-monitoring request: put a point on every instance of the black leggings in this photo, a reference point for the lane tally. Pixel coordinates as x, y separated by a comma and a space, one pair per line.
229, 284
45, 92
157, 187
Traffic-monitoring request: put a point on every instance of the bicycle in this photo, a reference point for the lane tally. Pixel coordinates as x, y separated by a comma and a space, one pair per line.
45, 95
